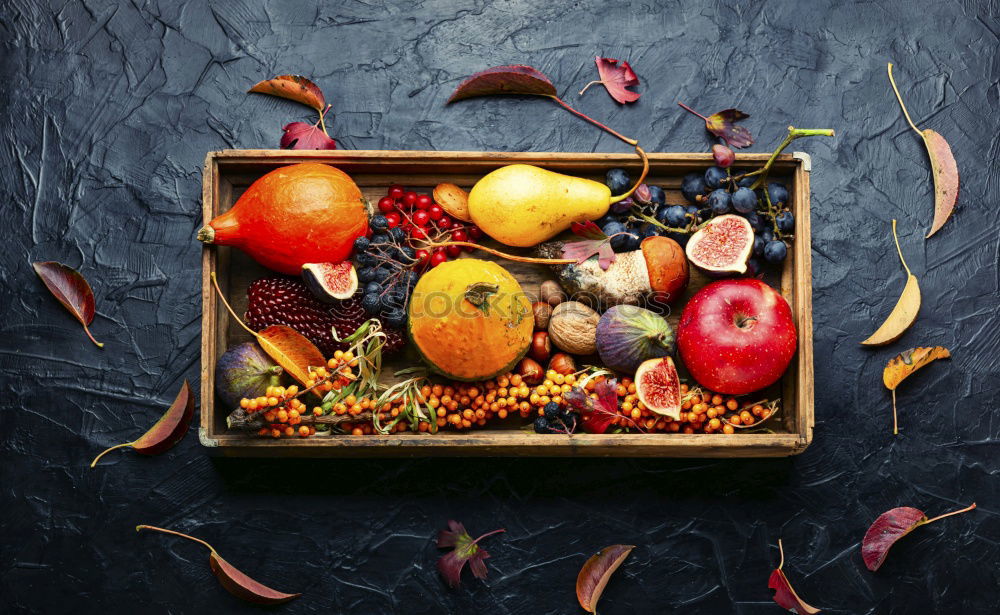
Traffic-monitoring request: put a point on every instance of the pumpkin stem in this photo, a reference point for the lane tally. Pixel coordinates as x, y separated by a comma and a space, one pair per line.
206, 234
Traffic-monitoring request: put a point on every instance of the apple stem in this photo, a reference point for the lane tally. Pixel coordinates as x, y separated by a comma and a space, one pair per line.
117, 446
690, 110
139, 528
954, 512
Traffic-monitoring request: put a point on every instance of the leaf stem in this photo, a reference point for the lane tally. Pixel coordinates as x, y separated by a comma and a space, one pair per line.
892, 82
502, 530
592, 121
793, 134
96, 459
954, 512
781, 550
504, 255
215, 282
139, 528
689, 109
322, 123
588, 85
898, 250
86, 329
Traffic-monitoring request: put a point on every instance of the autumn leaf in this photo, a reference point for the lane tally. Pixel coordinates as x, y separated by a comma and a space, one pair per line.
463, 549
300, 135
943, 166
71, 289
616, 79
514, 79
594, 242
166, 432
596, 415
892, 525
906, 309
236, 582
905, 363
293, 87
723, 125
784, 595
596, 573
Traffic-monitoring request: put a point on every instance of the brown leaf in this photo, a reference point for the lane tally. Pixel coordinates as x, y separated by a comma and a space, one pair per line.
236, 582
596, 573
943, 166
905, 311
784, 595
904, 364
515, 79
291, 350
71, 289
293, 87
166, 432
892, 525
945, 171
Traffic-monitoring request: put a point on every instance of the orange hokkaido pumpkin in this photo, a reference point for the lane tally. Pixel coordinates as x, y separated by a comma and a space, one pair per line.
302, 213
470, 320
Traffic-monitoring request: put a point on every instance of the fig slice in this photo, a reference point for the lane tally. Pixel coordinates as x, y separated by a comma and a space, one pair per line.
331, 282
659, 387
722, 246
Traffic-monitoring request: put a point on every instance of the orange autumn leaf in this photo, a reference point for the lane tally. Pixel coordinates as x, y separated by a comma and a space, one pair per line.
293, 87
905, 363
596, 573
291, 350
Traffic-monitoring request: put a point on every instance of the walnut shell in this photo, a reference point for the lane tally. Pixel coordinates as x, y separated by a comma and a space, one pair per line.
573, 328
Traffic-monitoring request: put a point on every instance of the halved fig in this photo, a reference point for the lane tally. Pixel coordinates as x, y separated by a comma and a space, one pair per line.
331, 282
722, 246
659, 387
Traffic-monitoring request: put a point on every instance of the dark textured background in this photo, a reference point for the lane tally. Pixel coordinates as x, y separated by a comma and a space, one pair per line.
107, 112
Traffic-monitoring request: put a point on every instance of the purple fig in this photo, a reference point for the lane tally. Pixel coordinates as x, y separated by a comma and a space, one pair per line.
245, 371
627, 335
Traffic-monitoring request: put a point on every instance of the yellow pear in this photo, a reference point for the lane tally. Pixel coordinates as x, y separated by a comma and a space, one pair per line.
523, 205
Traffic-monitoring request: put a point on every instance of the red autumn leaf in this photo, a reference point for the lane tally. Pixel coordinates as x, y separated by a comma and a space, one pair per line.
892, 525
784, 595
236, 582
293, 87
595, 415
166, 432
595, 242
300, 135
515, 79
463, 549
723, 125
943, 166
596, 573
616, 78
71, 289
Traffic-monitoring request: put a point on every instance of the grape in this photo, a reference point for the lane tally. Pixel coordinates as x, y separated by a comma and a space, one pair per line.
605, 219
777, 193
744, 200
613, 227
753, 266
394, 318
714, 177
746, 182
628, 242
648, 230
719, 200
361, 244
680, 238
541, 425
767, 233
373, 288
758, 245
371, 303
693, 186
775, 251
675, 216
379, 238
617, 180
364, 259
724, 157
379, 223
622, 206
786, 222
693, 211
754, 219
657, 195
397, 234
366, 274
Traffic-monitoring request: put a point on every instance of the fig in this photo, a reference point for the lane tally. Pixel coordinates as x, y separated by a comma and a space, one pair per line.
628, 335
331, 282
245, 371
722, 246
659, 387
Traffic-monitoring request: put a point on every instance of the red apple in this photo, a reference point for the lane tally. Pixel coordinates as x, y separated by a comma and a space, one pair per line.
736, 336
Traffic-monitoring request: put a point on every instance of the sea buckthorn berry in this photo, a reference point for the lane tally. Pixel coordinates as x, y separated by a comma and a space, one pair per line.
275, 433
310, 383
502, 414
748, 420
317, 411
244, 403
282, 416
732, 404
289, 431
735, 419
303, 431
758, 410
251, 404
711, 413
728, 429
293, 414
357, 431
714, 424
717, 400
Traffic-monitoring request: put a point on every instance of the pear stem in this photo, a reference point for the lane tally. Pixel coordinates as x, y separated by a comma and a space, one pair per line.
593, 121
139, 528
117, 446
642, 176
954, 512
892, 82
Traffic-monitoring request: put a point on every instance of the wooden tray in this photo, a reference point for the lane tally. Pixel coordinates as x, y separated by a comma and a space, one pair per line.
227, 173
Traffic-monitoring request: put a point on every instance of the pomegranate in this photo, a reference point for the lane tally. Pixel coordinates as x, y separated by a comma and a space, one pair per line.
722, 246
659, 387
302, 213
736, 336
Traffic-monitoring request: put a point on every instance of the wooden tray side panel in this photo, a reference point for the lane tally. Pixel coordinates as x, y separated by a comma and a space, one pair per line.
229, 172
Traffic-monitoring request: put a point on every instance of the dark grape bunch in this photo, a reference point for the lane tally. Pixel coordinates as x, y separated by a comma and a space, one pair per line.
627, 230
387, 262
556, 419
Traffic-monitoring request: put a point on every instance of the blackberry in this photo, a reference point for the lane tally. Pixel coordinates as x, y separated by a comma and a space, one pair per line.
541, 425
287, 301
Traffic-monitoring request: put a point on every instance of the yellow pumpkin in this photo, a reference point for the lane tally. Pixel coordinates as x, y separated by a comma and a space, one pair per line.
470, 320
